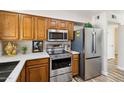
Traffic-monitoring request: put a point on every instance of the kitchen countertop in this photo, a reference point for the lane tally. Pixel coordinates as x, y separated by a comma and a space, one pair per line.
73, 52
22, 59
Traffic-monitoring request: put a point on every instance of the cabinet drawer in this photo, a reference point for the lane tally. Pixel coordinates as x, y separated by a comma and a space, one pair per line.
75, 60
76, 56
37, 62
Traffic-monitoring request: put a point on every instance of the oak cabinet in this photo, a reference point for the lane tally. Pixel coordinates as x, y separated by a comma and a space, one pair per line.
40, 28
26, 27
32, 27
70, 30
22, 76
52, 24
37, 70
9, 26
62, 24
15, 26
57, 24
75, 64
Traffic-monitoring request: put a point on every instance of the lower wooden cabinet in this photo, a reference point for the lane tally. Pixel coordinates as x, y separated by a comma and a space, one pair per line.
22, 76
75, 64
37, 70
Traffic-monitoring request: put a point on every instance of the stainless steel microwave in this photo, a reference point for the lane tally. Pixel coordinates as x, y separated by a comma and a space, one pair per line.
57, 35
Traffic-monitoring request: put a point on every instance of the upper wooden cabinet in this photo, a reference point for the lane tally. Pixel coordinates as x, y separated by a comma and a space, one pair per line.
62, 24
14, 26
32, 27
40, 28
57, 24
9, 26
52, 24
70, 30
26, 27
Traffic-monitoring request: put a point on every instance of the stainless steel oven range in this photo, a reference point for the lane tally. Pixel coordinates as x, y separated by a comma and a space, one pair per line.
60, 67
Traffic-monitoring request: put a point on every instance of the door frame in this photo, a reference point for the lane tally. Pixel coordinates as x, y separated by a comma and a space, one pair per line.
105, 50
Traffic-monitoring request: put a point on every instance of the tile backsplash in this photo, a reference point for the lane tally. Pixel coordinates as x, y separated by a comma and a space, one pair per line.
28, 44
20, 44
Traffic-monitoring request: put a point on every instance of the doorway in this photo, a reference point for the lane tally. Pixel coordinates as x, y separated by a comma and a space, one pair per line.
112, 46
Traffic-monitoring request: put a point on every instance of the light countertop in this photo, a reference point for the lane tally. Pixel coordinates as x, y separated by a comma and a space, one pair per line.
22, 59
73, 52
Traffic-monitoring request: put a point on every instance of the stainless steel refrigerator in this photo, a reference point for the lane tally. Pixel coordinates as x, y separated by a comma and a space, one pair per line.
88, 41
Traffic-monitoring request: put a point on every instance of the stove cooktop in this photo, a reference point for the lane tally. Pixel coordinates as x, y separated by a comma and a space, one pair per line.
58, 53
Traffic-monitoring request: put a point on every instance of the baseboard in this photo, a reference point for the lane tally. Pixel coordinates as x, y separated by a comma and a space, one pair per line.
105, 73
120, 68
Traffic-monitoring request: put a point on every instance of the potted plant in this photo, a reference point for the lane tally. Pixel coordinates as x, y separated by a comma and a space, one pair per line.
88, 25
24, 49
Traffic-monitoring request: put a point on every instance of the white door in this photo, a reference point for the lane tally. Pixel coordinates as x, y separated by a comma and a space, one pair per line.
111, 42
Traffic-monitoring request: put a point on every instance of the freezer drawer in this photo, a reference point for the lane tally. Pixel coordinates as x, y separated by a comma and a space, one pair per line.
92, 68
67, 77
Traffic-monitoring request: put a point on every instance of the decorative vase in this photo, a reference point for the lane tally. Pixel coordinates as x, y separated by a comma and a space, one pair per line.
10, 49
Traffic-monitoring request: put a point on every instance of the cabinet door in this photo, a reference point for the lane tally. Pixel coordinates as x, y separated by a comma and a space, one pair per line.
62, 24
75, 65
40, 28
19, 79
22, 76
9, 26
52, 24
37, 73
27, 27
70, 30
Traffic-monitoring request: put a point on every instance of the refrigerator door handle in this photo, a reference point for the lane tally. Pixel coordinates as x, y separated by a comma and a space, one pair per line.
92, 42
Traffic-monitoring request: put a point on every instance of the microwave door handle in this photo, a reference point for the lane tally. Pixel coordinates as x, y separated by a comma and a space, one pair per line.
63, 36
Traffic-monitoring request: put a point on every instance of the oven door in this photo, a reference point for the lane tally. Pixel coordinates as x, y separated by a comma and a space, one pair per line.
54, 35
60, 66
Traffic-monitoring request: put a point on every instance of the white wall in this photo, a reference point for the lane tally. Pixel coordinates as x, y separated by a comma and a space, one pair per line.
121, 48
121, 18
111, 41
78, 27
121, 42
60, 14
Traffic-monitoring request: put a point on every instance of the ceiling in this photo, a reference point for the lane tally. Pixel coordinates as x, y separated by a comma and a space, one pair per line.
90, 13
74, 15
